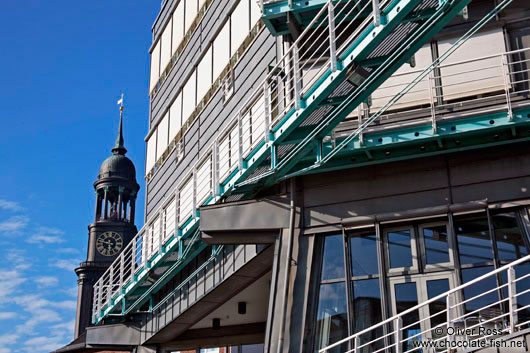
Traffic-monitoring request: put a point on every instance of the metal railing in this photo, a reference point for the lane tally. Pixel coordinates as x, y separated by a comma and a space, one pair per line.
296, 74
488, 307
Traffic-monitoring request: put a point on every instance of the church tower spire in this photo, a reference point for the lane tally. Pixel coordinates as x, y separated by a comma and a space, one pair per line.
113, 227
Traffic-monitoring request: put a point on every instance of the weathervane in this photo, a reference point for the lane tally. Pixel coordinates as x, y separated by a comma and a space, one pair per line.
120, 103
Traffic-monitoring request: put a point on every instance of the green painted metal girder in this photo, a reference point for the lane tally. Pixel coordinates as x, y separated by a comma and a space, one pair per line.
410, 143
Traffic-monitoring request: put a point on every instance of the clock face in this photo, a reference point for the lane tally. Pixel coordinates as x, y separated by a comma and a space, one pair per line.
109, 243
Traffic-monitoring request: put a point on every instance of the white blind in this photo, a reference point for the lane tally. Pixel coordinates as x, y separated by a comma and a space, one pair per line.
151, 153
204, 74
255, 12
165, 51
175, 117
188, 97
178, 25
162, 132
221, 50
240, 25
155, 66
191, 13
479, 76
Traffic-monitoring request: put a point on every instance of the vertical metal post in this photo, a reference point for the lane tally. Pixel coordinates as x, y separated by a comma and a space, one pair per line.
161, 230
296, 77
267, 110
215, 167
506, 77
356, 344
133, 257
332, 42
239, 141
512, 299
194, 191
398, 334
111, 283
432, 84
144, 246
122, 269
100, 296
450, 302
377, 13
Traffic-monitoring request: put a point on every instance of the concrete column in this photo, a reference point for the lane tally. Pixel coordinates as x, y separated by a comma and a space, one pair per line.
98, 207
120, 198
106, 202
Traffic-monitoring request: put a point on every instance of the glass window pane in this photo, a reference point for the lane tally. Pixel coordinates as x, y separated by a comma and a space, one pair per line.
478, 288
240, 23
406, 298
175, 117
188, 98
221, 50
363, 249
436, 245
204, 74
155, 67
162, 131
367, 311
165, 51
473, 240
333, 262
151, 153
252, 348
332, 318
509, 238
191, 13
436, 309
523, 300
178, 25
255, 13
399, 248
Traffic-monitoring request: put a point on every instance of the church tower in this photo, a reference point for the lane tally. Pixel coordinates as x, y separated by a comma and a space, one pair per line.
113, 227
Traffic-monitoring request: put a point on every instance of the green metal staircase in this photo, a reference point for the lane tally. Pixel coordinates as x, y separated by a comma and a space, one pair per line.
344, 51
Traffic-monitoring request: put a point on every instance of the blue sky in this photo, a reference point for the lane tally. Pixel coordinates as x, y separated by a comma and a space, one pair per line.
63, 66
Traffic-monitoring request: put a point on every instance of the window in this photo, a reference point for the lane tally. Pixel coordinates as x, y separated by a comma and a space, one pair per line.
333, 263
239, 25
151, 153
155, 66
191, 13
162, 133
473, 238
221, 50
255, 12
367, 312
188, 98
204, 74
165, 51
363, 248
401, 249
175, 116
178, 25
510, 243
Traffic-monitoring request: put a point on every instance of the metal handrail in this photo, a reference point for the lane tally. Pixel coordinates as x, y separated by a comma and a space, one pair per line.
510, 284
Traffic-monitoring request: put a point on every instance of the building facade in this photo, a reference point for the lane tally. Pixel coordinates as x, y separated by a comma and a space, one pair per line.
292, 201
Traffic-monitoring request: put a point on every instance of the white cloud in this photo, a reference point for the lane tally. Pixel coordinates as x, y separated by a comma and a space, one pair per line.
66, 264
44, 343
10, 205
9, 281
5, 350
71, 292
14, 224
18, 259
46, 281
71, 251
50, 230
48, 239
7, 315
9, 338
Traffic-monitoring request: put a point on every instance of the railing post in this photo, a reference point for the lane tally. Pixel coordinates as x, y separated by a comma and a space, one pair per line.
100, 296
398, 334
432, 87
450, 302
144, 247
377, 13
332, 42
356, 344
267, 110
133, 257
161, 230
512, 299
122, 270
194, 191
239, 142
111, 283
506, 77
215, 167
296, 77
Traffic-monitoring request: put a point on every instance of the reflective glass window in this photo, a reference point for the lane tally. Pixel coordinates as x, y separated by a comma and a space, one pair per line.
436, 244
332, 317
437, 312
480, 288
333, 262
363, 249
473, 239
399, 248
407, 297
509, 237
367, 311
